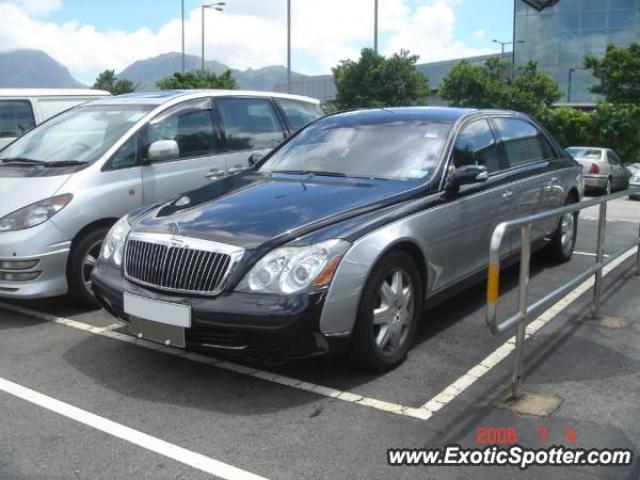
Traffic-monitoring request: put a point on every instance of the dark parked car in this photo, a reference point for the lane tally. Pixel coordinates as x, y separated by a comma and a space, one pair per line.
340, 237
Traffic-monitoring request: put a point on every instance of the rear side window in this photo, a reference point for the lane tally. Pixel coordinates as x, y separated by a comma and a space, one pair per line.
192, 128
299, 114
249, 123
523, 143
614, 158
16, 117
476, 145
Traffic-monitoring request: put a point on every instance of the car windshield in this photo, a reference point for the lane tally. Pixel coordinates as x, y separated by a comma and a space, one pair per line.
80, 135
585, 153
401, 149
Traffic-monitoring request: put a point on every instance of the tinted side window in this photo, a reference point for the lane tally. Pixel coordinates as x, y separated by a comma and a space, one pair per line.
299, 114
249, 123
16, 117
192, 129
523, 143
613, 157
129, 154
476, 145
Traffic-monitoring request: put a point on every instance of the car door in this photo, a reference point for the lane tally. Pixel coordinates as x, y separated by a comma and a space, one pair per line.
192, 125
249, 125
534, 181
471, 215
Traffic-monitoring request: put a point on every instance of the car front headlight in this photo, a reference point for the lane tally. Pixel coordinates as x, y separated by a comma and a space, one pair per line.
34, 214
289, 269
113, 246
636, 178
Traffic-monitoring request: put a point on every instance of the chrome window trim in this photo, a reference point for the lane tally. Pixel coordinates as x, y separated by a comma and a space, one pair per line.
179, 241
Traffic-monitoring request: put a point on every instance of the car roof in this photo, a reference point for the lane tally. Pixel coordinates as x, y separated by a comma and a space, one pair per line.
52, 92
166, 96
435, 114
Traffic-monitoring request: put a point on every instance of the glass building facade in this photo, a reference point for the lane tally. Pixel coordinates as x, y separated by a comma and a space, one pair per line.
560, 36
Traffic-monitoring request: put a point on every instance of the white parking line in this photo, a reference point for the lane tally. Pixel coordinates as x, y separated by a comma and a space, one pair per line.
589, 254
476, 372
225, 365
166, 449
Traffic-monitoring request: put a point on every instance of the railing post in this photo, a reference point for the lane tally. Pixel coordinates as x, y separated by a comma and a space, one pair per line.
523, 294
638, 254
597, 289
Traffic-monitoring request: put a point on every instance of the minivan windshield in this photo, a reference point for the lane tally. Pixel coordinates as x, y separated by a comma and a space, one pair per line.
398, 149
78, 136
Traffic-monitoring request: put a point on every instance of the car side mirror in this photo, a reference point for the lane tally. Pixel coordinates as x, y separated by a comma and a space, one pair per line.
466, 175
163, 150
255, 158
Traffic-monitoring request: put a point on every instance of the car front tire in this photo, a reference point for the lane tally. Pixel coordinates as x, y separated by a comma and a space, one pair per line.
84, 255
563, 242
389, 314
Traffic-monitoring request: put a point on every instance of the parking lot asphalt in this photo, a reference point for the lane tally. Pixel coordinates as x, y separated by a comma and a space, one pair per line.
83, 402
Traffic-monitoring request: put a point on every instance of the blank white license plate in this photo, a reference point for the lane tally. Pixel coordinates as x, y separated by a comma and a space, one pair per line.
156, 311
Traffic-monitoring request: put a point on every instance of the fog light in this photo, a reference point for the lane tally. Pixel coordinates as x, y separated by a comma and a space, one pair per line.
18, 264
18, 276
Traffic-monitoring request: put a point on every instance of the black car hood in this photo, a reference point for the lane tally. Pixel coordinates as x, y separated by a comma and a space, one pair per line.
253, 209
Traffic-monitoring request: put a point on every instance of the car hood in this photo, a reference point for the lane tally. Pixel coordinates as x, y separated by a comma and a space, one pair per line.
18, 192
251, 210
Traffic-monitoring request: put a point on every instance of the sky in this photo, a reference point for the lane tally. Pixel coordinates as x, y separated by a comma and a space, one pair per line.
88, 36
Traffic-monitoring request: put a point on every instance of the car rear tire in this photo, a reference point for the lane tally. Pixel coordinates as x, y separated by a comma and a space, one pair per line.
389, 314
563, 242
84, 255
608, 189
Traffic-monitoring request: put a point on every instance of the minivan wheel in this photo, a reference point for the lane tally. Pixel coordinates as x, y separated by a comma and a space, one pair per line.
563, 241
389, 314
84, 256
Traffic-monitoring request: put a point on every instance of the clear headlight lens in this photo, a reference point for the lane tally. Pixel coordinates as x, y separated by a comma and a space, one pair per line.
294, 269
34, 214
113, 245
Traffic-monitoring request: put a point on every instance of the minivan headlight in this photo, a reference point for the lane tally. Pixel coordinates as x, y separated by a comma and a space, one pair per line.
113, 246
290, 270
34, 214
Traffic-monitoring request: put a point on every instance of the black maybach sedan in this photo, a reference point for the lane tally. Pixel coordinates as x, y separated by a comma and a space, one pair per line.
339, 238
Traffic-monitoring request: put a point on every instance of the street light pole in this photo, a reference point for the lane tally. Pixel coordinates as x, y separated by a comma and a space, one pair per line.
375, 25
288, 46
219, 6
182, 2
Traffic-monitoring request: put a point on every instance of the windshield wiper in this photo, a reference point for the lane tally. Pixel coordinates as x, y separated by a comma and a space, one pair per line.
22, 161
319, 173
64, 163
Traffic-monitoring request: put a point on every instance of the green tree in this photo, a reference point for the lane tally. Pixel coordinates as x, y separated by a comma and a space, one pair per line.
376, 81
495, 84
618, 73
198, 80
569, 126
108, 81
618, 126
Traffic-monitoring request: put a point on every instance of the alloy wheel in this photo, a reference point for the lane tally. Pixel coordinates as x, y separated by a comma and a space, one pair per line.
88, 262
393, 311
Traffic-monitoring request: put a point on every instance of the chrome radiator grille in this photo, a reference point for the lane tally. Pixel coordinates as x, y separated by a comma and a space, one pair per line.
179, 264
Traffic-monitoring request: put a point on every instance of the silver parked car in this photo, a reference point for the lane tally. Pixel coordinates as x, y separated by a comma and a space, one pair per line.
66, 182
603, 169
338, 238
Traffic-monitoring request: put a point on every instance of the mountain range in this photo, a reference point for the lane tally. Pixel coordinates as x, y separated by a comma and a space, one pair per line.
34, 68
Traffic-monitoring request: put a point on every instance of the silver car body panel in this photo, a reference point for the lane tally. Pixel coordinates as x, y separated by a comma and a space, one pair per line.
103, 195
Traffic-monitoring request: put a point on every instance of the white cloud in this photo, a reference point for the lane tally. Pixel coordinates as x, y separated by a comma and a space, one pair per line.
247, 34
40, 7
480, 34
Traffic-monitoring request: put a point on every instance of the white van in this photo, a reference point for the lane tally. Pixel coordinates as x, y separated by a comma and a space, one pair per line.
21, 109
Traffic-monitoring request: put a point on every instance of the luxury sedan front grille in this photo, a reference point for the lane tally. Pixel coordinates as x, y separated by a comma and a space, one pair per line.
169, 264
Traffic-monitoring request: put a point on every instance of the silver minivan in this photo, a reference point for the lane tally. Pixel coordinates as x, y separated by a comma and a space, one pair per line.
66, 182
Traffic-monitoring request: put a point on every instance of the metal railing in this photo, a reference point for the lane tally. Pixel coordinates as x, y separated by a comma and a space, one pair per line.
526, 313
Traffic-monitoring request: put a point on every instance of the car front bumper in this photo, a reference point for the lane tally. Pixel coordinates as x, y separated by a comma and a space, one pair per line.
634, 189
41, 247
276, 325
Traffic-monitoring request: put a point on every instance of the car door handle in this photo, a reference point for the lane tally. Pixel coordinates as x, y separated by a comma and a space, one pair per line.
237, 169
507, 194
215, 173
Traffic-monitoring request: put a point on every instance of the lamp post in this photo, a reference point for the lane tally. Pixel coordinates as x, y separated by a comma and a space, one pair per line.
503, 44
288, 46
219, 6
375, 25
182, 4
